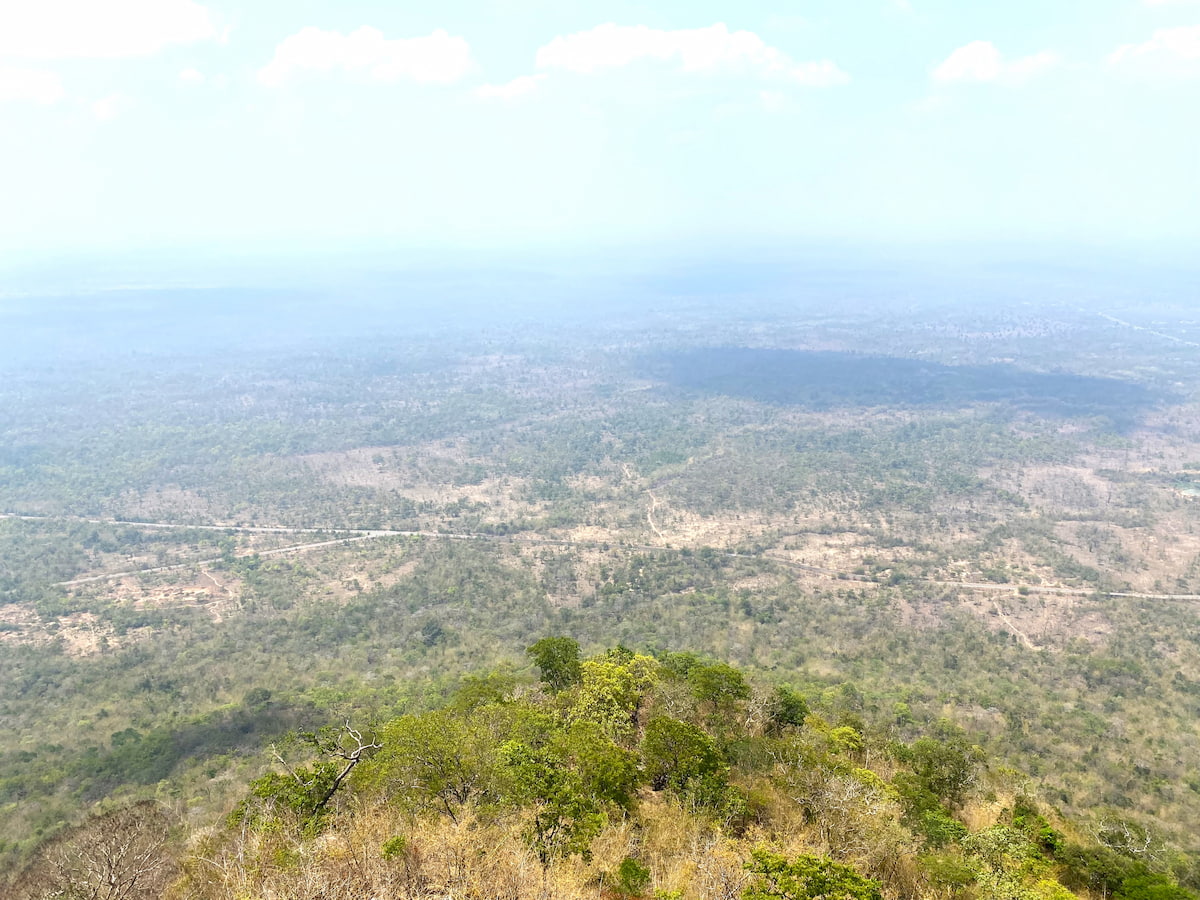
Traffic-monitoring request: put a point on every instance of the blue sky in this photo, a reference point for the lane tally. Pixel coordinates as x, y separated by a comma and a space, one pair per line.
132, 124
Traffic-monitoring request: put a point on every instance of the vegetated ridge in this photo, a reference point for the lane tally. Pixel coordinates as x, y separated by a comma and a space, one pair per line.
620, 775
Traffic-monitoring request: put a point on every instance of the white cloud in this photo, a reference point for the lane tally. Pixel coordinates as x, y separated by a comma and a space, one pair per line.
694, 50
931, 105
109, 29
191, 76
31, 85
522, 86
981, 61
108, 108
773, 101
437, 58
1170, 51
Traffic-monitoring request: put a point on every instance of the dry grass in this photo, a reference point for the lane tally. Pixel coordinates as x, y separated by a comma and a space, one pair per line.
470, 859
476, 857
79, 634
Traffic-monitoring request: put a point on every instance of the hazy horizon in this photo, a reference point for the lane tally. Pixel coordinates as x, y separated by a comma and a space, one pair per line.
174, 125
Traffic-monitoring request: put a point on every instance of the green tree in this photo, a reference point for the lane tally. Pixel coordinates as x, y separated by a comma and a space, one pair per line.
633, 877
675, 753
946, 767
806, 878
608, 773
718, 684
611, 691
557, 658
1147, 885
482, 690
435, 761
306, 790
446, 759
566, 816
786, 708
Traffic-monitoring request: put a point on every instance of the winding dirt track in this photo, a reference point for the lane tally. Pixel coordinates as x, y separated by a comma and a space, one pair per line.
353, 535
650, 515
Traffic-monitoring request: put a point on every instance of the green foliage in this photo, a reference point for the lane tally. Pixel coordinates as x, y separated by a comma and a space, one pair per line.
678, 664
633, 877
610, 693
718, 684
1100, 870
555, 768
300, 795
565, 816
787, 708
947, 766
676, 754
950, 870
394, 847
846, 739
1026, 817
1045, 889
1093, 868
482, 690
608, 773
439, 760
806, 878
923, 811
558, 660
1142, 884
256, 697
1001, 849
941, 829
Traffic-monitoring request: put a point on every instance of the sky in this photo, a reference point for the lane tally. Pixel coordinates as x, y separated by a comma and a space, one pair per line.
140, 124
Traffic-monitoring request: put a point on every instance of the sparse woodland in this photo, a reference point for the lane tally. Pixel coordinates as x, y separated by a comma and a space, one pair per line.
907, 597
619, 775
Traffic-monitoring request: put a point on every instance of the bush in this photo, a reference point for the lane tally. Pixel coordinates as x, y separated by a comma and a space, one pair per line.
806, 878
632, 877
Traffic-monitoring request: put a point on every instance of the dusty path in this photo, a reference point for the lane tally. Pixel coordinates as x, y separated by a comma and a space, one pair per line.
650, 515
353, 535
653, 503
1020, 635
1165, 337
1047, 589
200, 563
238, 529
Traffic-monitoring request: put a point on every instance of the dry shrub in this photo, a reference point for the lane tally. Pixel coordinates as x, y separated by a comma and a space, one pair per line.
891, 859
615, 842
476, 859
721, 872
689, 854
906, 880
980, 814
373, 851
376, 850
118, 855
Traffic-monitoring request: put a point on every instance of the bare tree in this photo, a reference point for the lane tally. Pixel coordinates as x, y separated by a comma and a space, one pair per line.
121, 855
1130, 839
347, 747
